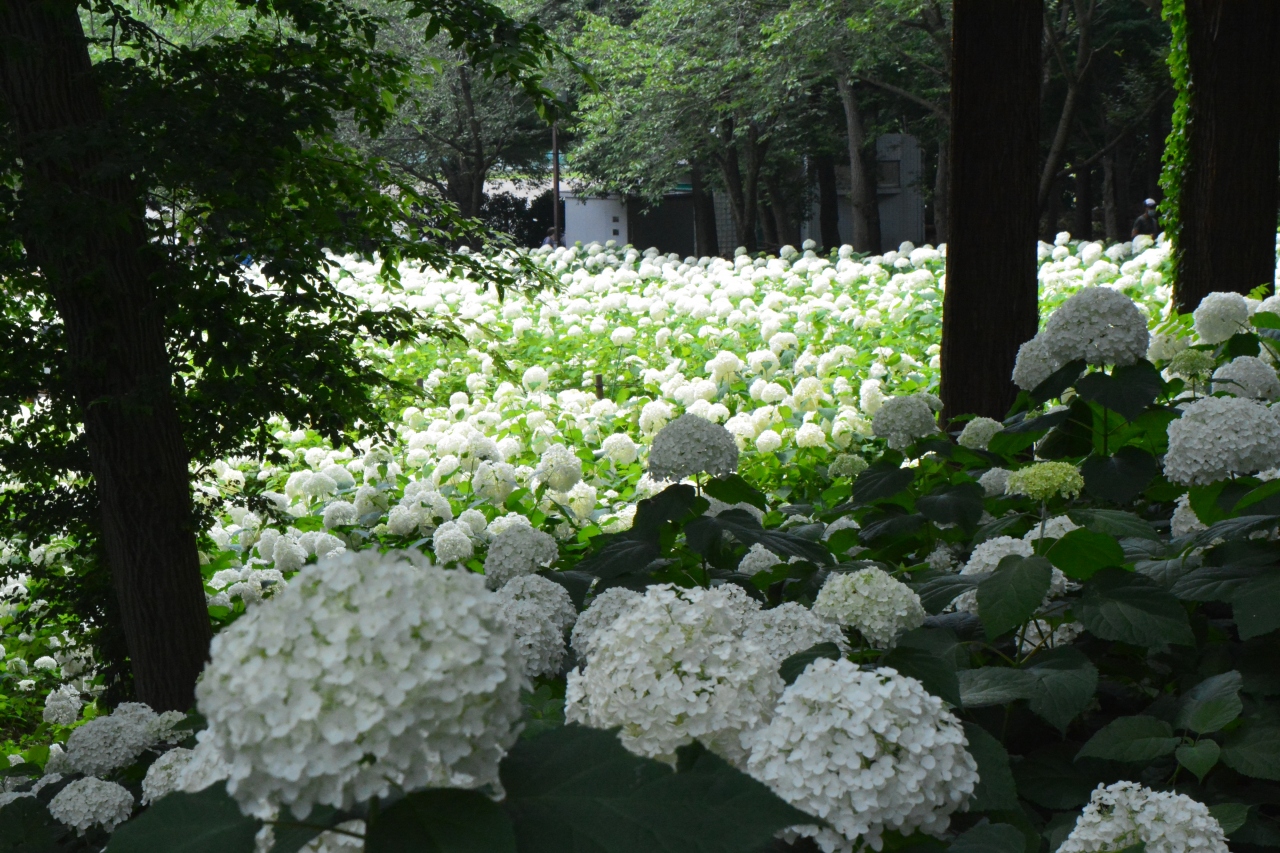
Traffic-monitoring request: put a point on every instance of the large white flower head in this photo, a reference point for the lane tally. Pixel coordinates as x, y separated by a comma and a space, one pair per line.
871, 601
757, 559
1035, 364
994, 481
598, 617
676, 667
1247, 376
866, 752
1099, 325
901, 420
1218, 437
164, 776
1126, 814
62, 706
1221, 315
518, 550
620, 449
977, 433
368, 671
451, 543
560, 468
790, 628
540, 612
90, 802
109, 743
692, 445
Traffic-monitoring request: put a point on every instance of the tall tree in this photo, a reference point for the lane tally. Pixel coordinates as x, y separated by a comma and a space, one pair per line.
990, 306
1227, 200
134, 189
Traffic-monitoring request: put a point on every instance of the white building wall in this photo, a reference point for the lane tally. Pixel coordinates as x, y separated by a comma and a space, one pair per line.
594, 220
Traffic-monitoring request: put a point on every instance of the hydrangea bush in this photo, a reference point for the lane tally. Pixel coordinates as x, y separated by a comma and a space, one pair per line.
686, 534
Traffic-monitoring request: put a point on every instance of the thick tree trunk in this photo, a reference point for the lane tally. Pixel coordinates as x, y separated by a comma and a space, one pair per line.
862, 184
1110, 209
828, 203
1082, 220
990, 307
81, 221
769, 228
706, 241
941, 188
1228, 203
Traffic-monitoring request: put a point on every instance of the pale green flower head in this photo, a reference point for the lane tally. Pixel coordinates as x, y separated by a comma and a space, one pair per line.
1045, 480
1192, 363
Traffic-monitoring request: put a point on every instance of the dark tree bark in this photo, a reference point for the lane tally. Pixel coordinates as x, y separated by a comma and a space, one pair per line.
769, 228
941, 188
828, 202
82, 225
1110, 208
1228, 203
741, 175
862, 183
991, 301
1082, 220
706, 241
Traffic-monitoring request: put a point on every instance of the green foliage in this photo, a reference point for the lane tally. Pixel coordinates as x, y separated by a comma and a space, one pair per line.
1177, 146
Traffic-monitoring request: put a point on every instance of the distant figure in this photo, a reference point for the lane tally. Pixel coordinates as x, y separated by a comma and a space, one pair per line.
550, 239
1148, 222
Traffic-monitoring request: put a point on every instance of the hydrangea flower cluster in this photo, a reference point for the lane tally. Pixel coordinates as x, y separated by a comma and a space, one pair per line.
790, 628
870, 601
1219, 316
1099, 325
977, 433
518, 550
540, 612
62, 706
109, 743
866, 752
1218, 437
598, 617
902, 420
367, 671
691, 445
1247, 376
164, 776
1045, 480
1126, 814
674, 667
90, 802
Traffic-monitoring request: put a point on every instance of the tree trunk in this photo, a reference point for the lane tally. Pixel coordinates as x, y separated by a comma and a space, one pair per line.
1228, 203
828, 203
862, 184
769, 228
82, 226
941, 186
1110, 209
1082, 226
706, 241
989, 309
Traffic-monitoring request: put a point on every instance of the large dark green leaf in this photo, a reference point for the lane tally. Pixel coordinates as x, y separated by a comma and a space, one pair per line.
732, 489
937, 674
1128, 390
1072, 438
1264, 500
990, 838
1230, 816
206, 822
960, 504
621, 557
995, 685
882, 479
1010, 595
746, 529
578, 789
996, 790
1131, 740
1064, 686
1257, 664
891, 527
1052, 779
1060, 380
939, 642
442, 821
27, 827
1113, 522
1004, 526
1042, 423
1213, 583
1256, 606
939, 592
1254, 750
290, 836
791, 668
1199, 758
1211, 704
1234, 528
1081, 554
1132, 608
1121, 477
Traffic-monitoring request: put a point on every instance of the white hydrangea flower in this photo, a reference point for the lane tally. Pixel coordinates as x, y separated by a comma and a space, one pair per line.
1040, 634
654, 416
560, 468
452, 543
810, 435
539, 612
757, 559
518, 550
62, 706
1099, 325
986, 558
164, 776
1218, 437
1035, 364
847, 465
1125, 814
977, 433
1054, 528
995, 481
109, 743
1184, 520
1247, 376
91, 802
866, 752
368, 671
620, 449
339, 514
676, 667
768, 441
599, 615
790, 628
692, 445
877, 605
493, 481
1221, 315
901, 420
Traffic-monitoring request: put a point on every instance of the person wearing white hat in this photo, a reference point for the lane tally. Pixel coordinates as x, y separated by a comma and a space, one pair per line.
1149, 221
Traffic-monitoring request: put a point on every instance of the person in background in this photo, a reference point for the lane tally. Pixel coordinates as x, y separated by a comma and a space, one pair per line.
1148, 222
550, 239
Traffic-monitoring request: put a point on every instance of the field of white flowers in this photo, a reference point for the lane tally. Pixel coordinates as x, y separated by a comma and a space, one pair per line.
705, 501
